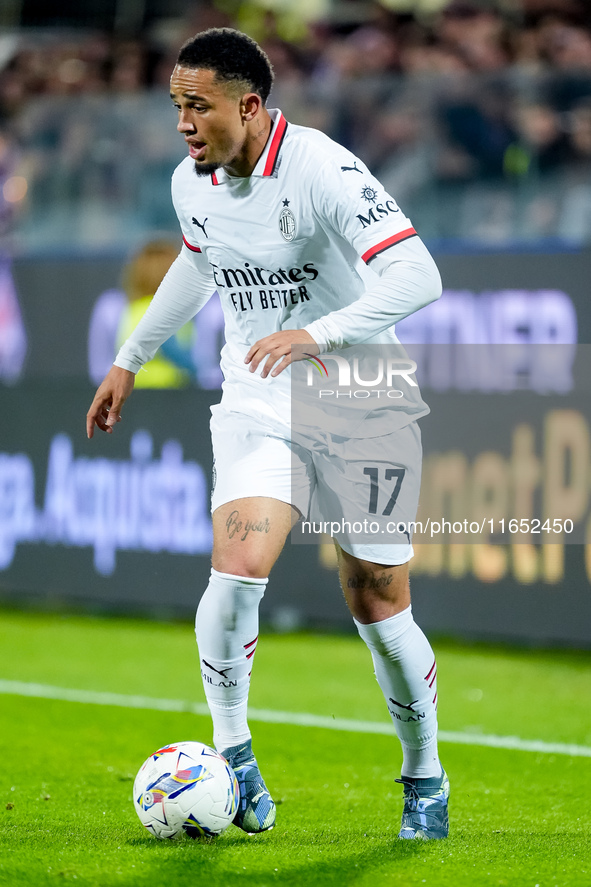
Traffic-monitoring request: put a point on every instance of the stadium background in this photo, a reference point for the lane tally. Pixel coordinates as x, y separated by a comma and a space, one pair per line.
475, 115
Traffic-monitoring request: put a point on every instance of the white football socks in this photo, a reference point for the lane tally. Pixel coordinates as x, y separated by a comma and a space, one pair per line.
405, 669
227, 627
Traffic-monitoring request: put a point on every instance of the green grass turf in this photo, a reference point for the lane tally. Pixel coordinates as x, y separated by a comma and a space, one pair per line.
66, 815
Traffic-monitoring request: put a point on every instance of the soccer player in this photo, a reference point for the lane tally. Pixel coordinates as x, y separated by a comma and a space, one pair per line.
305, 249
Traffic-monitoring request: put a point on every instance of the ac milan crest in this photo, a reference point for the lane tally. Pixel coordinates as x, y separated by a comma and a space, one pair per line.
287, 224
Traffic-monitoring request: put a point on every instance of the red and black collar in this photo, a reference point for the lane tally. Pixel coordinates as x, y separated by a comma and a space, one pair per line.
267, 162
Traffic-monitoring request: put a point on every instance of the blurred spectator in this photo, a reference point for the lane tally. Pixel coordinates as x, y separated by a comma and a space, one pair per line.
580, 134
542, 143
172, 365
575, 220
128, 67
478, 129
472, 94
565, 46
479, 34
13, 182
466, 34
116, 313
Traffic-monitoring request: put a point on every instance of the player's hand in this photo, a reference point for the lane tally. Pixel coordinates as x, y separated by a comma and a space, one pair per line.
277, 347
105, 410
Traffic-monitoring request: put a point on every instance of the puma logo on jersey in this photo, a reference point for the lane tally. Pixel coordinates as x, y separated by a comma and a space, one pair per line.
200, 225
351, 168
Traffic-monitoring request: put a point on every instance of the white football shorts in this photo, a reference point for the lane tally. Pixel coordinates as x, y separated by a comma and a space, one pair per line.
363, 492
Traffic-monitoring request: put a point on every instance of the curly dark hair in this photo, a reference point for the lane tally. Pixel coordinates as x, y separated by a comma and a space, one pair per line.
232, 55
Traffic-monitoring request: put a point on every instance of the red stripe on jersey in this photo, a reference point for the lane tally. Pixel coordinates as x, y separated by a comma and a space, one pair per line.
214, 179
190, 246
396, 238
280, 128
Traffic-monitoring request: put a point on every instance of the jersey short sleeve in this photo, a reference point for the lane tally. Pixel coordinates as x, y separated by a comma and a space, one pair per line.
357, 206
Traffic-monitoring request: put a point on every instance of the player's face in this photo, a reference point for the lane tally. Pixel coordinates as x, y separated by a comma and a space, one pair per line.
210, 118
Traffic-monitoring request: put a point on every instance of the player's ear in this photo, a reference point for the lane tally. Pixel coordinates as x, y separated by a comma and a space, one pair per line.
250, 105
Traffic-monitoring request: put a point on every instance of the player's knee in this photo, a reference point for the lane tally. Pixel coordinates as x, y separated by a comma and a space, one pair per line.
249, 566
374, 591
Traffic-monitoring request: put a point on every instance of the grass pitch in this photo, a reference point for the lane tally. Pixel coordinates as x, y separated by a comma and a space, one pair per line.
518, 818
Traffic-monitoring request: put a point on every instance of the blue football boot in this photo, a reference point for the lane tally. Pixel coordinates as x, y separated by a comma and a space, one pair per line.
256, 810
425, 813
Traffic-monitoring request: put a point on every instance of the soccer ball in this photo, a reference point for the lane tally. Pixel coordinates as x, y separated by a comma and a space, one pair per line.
186, 789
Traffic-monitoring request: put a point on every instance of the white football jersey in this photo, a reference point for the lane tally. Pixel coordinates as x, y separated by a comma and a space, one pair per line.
285, 246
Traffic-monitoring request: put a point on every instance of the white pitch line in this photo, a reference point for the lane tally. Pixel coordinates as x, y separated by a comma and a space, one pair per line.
301, 719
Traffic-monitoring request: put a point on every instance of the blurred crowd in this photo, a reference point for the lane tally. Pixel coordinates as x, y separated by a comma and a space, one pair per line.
476, 115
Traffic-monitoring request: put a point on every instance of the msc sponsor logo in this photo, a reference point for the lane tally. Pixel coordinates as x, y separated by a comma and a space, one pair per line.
378, 212
370, 194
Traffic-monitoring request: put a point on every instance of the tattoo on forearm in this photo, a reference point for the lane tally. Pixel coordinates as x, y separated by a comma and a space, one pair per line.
237, 527
358, 582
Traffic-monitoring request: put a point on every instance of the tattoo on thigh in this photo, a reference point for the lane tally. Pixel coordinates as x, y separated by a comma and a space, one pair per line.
237, 527
373, 583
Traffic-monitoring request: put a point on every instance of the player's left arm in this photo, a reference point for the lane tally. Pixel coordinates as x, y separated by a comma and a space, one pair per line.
408, 281
407, 277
